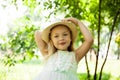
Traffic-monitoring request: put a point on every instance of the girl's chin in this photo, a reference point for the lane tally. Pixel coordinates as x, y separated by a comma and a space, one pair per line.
62, 49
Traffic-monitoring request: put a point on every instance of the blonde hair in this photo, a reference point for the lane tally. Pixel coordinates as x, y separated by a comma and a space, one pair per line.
52, 49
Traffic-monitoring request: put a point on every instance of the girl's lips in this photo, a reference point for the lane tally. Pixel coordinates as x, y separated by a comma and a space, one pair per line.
62, 43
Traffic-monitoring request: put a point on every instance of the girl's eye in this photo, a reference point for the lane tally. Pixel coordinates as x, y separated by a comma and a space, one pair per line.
56, 36
65, 34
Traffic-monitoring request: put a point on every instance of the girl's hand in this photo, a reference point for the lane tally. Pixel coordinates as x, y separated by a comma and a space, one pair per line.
71, 19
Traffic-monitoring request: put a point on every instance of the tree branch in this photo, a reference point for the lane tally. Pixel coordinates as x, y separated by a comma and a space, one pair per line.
99, 20
115, 19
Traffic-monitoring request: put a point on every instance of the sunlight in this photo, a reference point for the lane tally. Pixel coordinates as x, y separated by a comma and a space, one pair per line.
8, 13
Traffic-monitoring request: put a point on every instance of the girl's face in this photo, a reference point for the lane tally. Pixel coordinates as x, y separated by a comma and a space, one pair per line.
61, 37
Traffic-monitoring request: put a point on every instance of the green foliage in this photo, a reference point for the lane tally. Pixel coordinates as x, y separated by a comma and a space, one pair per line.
117, 39
81, 9
21, 45
31, 4
83, 76
109, 10
10, 60
21, 40
3, 46
111, 6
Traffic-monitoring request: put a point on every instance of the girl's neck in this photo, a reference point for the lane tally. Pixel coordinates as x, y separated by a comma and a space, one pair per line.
59, 50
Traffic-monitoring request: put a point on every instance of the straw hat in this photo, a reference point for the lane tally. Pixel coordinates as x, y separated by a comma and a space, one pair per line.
70, 25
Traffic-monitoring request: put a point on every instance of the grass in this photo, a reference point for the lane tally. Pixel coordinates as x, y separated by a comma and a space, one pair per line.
28, 70
111, 70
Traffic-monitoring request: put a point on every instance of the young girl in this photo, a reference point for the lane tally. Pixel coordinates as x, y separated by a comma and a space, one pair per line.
56, 45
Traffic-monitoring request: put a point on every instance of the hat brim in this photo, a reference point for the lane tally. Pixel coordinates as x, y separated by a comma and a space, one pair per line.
70, 25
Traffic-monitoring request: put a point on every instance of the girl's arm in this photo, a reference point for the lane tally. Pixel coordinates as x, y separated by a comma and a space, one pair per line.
40, 43
86, 45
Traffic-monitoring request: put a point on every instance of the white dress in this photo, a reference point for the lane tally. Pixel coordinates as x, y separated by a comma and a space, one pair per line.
60, 66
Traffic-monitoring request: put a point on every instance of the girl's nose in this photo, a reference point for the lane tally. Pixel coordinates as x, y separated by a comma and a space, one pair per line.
61, 38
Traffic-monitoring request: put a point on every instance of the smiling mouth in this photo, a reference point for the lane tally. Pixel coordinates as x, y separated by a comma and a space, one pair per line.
62, 43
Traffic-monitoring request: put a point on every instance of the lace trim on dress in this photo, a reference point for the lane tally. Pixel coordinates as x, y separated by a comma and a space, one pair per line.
66, 61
